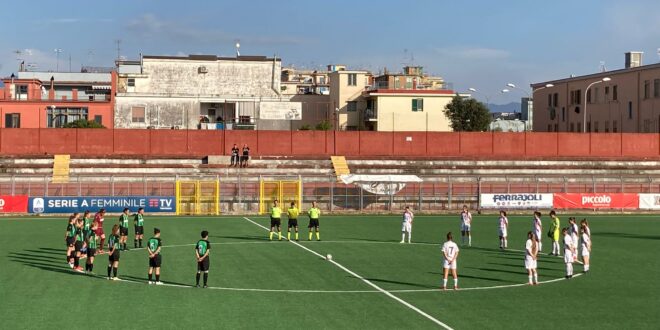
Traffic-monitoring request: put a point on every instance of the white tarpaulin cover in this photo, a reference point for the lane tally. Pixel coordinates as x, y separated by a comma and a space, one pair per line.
380, 184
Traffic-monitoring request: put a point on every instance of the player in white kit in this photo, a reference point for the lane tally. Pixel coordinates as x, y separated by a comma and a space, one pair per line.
504, 226
450, 254
406, 225
466, 225
574, 230
531, 253
537, 228
569, 252
585, 236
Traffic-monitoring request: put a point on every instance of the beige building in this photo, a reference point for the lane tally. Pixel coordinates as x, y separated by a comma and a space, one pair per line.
346, 87
626, 100
392, 110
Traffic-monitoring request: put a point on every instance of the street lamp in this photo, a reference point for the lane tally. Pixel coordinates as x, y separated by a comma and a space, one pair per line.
474, 90
584, 123
58, 51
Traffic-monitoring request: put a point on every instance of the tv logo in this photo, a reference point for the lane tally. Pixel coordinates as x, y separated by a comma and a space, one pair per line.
38, 205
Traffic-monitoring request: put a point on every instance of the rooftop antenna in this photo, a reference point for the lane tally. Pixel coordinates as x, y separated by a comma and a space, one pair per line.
118, 42
238, 47
602, 67
57, 52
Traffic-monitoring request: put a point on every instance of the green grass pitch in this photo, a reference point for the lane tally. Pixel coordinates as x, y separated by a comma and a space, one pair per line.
260, 284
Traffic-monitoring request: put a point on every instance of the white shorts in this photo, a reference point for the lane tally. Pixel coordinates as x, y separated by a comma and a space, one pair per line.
568, 256
585, 251
530, 263
503, 232
465, 227
445, 264
407, 227
538, 235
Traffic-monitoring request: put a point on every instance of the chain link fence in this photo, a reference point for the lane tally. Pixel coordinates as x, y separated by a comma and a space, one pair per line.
240, 194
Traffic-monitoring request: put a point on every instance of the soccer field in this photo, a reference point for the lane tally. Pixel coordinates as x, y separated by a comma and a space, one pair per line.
373, 283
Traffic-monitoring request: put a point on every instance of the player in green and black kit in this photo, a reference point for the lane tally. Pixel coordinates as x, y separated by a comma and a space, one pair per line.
92, 241
153, 247
123, 229
275, 220
202, 250
87, 222
78, 244
70, 238
113, 253
314, 214
138, 221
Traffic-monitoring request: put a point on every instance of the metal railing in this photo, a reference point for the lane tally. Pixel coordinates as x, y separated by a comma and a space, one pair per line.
240, 194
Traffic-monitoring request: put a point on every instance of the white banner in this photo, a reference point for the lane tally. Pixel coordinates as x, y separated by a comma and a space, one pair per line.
649, 201
382, 188
516, 201
280, 110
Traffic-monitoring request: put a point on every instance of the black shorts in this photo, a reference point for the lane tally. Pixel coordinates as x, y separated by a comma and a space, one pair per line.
155, 261
123, 231
293, 223
139, 230
313, 223
245, 158
69, 241
114, 256
77, 246
91, 253
203, 266
275, 222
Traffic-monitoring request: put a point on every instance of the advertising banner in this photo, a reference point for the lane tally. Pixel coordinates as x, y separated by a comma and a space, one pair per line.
280, 110
596, 201
13, 204
649, 201
516, 201
112, 204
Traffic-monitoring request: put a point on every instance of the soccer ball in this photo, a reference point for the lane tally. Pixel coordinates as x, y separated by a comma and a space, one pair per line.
328, 257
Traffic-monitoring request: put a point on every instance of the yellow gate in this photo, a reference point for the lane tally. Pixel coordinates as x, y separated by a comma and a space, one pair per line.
198, 197
286, 191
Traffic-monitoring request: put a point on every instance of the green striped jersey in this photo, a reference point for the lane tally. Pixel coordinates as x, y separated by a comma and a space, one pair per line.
202, 246
113, 242
154, 243
123, 220
92, 240
70, 230
139, 220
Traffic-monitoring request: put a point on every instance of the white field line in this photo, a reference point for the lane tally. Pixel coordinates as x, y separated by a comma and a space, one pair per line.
401, 301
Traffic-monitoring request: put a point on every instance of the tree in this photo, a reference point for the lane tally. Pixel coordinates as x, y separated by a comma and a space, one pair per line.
306, 127
83, 123
467, 115
324, 125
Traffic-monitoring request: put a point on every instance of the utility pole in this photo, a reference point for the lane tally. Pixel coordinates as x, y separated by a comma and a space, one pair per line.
118, 42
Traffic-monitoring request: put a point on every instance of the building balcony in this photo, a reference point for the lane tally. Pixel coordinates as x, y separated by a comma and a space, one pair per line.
370, 115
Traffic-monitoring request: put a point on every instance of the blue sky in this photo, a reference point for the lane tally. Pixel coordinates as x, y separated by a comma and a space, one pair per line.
480, 44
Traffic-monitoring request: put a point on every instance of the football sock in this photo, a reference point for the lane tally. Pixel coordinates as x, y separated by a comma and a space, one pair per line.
91, 267
403, 237
288, 235
310, 235
296, 236
530, 279
206, 278
536, 278
586, 268
140, 241
197, 279
506, 244
455, 282
109, 270
270, 235
540, 246
318, 236
150, 277
157, 277
409, 237
444, 282
76, 262
279, 235
114, 271
470, 240
135, 243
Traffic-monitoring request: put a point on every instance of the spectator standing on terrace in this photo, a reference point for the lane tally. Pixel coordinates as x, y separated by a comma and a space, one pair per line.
246, 156
234, 155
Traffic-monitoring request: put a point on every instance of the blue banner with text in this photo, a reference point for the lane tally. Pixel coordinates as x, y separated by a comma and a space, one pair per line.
112, 204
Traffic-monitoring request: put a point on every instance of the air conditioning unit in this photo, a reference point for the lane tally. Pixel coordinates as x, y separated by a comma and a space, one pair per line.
202, 69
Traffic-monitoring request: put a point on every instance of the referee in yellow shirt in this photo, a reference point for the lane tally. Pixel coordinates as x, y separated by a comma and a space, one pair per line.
314, 214
275, 220
292, 214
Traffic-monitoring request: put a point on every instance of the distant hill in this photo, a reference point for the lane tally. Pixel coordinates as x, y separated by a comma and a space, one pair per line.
509, 107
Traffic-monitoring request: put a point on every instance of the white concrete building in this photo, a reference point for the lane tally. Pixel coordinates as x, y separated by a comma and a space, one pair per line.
203, 91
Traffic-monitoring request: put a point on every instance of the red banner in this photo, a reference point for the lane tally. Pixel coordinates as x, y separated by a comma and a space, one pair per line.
596, 201
13, 204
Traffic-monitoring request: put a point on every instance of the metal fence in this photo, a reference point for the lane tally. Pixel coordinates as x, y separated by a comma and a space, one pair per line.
240, 194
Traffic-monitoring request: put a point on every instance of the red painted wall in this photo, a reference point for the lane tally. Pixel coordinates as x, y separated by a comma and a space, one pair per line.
198, 143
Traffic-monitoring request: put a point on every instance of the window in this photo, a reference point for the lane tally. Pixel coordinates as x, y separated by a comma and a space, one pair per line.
563, 114
409, 84
21, 92
58, 117
596, 127
607, 93
556, 127
596, 95
131, 82
656, 88
607, 126
351, 106
589, 127
615, 93
417, 104
589, 96
322, 80
137, 115
550, 100
630, 110
98, 119
647, 88
576, 97
614, 127
556, 99
13, 120
352, 79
